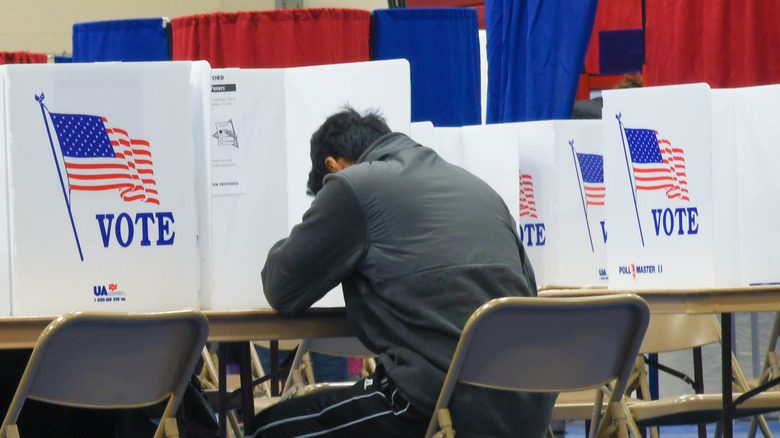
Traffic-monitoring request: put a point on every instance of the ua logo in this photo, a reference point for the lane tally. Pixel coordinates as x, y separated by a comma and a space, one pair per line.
367, 383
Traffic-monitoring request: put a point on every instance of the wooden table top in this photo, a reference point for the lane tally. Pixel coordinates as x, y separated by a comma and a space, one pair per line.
224, 325
704, 300
264, 324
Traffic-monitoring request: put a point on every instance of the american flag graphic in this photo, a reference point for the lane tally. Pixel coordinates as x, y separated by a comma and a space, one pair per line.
592, 170
657, 165
98, 157
527, 200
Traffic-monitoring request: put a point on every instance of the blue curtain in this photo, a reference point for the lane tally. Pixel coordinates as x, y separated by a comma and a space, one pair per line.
442, 47
536, 50
146, 39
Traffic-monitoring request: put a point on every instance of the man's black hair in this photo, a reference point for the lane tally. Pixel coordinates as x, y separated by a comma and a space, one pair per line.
346, 134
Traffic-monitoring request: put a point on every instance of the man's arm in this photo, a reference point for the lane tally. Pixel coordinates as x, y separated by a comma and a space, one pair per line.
321, 251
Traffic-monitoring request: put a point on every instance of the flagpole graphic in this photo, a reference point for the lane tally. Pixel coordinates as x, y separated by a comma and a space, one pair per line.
582, 196
39, 99
630, 177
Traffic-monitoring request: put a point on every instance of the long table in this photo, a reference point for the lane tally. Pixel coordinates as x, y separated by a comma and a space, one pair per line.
245, 325
701, 301
225, 327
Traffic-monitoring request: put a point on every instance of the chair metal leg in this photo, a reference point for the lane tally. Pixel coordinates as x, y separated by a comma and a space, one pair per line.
629, 419
11, 431
595, 418
644, 386
258, 371
235, 427
209, 370
445, 422
171, 428
744, 386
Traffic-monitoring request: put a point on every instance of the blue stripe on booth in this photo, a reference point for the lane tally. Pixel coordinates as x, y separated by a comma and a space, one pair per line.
536, 51
442, 47
146, 39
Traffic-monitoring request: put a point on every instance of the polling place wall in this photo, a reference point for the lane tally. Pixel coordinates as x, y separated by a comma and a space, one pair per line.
106, 194
671, 221
263, 120
561, 201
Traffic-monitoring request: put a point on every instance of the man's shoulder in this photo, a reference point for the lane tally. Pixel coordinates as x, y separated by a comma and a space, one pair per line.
368, 173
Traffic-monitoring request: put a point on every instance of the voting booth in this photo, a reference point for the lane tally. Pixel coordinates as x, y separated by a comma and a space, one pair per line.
561, 201
448, 144
756, 132
262, 121
550, 176
670, 207
423, 133
105, 202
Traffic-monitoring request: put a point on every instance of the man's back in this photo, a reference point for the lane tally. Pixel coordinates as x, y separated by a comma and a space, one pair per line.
441, 243
428, 243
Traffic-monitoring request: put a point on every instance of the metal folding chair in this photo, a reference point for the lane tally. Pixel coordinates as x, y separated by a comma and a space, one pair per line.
684, 332
137, 360
528, 344
301, 378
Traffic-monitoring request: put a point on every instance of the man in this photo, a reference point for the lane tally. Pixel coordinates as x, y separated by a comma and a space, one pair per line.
418, 244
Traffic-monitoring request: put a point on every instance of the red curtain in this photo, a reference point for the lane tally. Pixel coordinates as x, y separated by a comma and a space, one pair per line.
281, 38
612, 15
23, 58
723, 43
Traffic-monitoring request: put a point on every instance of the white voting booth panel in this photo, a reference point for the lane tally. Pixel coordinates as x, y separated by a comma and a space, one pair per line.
483, 73
666, 222
106, 187
264, 160
423, 133
758, 155
5, 265
448, 143
725, 214
561, 201
489, 152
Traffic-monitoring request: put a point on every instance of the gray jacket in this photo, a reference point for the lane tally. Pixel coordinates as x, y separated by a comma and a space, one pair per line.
418, 244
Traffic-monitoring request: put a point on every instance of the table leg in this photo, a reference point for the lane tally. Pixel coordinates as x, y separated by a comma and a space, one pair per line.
275, 378
247, 390
698, 379
727, 374
222, 357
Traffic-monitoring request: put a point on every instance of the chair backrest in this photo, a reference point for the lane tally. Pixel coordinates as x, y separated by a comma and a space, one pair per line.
101, 360
342, 347
551, 344
679, 332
